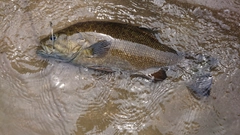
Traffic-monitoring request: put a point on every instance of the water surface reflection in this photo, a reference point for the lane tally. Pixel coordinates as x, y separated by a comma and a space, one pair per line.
47, 97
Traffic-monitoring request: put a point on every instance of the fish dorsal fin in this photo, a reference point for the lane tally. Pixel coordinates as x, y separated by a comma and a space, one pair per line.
98, 49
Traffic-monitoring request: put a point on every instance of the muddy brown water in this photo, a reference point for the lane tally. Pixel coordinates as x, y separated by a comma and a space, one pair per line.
40, 97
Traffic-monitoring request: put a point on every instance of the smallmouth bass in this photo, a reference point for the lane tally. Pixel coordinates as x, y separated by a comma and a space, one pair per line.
110, 47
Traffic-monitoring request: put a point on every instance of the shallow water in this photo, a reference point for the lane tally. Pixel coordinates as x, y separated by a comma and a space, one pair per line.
40, 97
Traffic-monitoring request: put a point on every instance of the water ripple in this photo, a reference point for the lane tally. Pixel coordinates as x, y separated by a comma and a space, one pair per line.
39, 96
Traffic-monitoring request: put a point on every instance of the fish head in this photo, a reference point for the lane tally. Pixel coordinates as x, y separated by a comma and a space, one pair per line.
62, 47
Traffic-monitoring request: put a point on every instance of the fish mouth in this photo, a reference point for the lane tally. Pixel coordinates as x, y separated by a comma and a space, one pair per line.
44, 50
40, 50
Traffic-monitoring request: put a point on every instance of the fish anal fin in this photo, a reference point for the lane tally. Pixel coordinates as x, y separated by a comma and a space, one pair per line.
98, 49
152, 74
160, 75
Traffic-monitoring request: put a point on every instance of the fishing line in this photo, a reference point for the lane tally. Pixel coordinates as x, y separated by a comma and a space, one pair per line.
52, 37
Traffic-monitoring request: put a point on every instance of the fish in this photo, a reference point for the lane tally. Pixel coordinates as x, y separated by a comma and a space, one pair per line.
112, 46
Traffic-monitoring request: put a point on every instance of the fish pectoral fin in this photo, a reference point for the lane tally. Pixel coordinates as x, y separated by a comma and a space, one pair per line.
200, 86
154, 74
98, 49
101, 68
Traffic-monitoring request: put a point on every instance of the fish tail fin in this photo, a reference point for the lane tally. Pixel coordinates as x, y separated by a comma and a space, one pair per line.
200, 86
200, 68
204, 61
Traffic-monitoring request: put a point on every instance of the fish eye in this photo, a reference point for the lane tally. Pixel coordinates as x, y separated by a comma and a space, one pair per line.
53, 37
